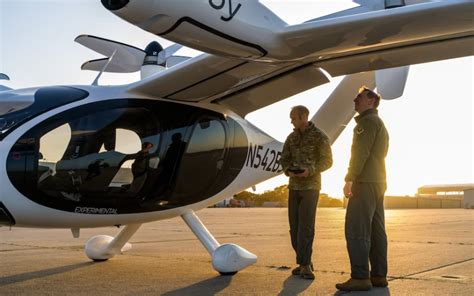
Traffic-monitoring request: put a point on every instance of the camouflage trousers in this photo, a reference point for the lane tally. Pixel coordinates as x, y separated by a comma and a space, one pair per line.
365, 230
302, 215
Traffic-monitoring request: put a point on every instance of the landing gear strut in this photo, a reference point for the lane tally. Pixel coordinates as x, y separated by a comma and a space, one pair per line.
227, 259
104, 247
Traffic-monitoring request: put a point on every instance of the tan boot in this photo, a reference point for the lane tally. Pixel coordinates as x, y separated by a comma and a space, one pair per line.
307, 272
296, 271
355, 285
379, 281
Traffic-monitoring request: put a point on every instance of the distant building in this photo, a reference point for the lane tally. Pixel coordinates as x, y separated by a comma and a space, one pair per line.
446, 190
443, 196
468, 200
231, 202
224, 203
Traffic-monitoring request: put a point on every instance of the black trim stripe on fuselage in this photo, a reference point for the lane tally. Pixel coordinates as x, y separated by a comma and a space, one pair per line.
168, 96
213, 31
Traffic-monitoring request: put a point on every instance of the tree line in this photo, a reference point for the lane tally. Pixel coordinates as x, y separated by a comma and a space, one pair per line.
280, 195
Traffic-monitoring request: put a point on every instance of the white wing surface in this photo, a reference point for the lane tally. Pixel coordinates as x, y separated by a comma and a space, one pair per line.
294, 56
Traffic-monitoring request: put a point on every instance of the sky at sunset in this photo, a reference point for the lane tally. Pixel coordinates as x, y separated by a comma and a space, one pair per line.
431, 126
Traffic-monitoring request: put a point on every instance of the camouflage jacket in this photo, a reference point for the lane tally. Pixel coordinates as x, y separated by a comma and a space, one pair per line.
369, 148
308, 149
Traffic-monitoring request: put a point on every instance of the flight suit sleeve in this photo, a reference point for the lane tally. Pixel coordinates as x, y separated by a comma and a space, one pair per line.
363, 140
323, 157
285, 159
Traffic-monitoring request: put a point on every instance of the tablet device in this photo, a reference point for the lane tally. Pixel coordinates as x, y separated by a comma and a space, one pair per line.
296, 170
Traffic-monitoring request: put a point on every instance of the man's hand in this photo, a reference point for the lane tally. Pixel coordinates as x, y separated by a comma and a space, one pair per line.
304, 174
348, 189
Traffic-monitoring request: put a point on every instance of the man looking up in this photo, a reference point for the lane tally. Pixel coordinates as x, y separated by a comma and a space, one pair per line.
365, 187
305, 155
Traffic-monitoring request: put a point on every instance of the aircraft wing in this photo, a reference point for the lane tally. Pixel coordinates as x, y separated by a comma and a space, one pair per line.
339, 46
244, 86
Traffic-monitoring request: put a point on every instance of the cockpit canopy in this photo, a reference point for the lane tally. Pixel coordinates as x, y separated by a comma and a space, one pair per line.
127, 156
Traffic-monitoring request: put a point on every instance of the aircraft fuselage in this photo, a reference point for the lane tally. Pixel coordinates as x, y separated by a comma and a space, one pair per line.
73, 157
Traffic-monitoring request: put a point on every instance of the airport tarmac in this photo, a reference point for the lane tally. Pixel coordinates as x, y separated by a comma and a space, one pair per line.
430, 253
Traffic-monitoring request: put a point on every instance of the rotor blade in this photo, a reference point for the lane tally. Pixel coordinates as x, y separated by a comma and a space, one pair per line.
174, 60
338, 109
167, 52
126, 55
4, 77
113, 67
382, 3
391, 82
170, 50
366, 6
350, 11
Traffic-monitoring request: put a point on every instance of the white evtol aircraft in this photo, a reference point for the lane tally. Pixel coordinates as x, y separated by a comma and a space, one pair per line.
192, 111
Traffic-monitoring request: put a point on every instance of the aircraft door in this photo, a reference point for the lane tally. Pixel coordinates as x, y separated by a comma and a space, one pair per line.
202, 162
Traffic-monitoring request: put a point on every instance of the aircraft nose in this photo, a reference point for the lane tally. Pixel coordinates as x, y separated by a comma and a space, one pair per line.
114, 4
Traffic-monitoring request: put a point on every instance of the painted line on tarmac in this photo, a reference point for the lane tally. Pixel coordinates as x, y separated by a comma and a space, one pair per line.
405, 277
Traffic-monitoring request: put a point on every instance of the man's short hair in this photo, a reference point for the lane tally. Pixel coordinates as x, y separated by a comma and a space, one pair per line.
371, 95
146, 144
300, 110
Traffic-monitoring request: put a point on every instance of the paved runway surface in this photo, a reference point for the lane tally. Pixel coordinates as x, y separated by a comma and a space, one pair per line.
430, 253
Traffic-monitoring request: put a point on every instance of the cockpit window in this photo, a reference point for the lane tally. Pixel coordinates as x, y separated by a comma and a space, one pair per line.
126, 156
18, 107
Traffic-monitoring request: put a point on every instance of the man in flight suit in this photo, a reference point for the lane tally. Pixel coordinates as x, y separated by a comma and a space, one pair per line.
365, 187
305, 155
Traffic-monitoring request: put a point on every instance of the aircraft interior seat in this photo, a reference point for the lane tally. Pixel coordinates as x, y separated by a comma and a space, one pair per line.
137, 184
93, 172
44, 172
112, 158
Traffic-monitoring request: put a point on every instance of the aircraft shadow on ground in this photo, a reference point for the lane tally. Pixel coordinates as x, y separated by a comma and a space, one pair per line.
13, 279
210, 286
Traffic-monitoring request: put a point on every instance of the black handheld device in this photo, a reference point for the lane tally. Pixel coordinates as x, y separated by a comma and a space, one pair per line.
296, 170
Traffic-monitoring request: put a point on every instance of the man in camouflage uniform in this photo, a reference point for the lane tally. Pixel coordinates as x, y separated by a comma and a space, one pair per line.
365, 187
305, 155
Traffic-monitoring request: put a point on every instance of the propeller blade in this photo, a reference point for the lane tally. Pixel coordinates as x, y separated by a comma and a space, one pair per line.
174, 60
125, 55
128, 58
113, 67
338, 110
168, 52
391, 82
4, 77
368, 6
